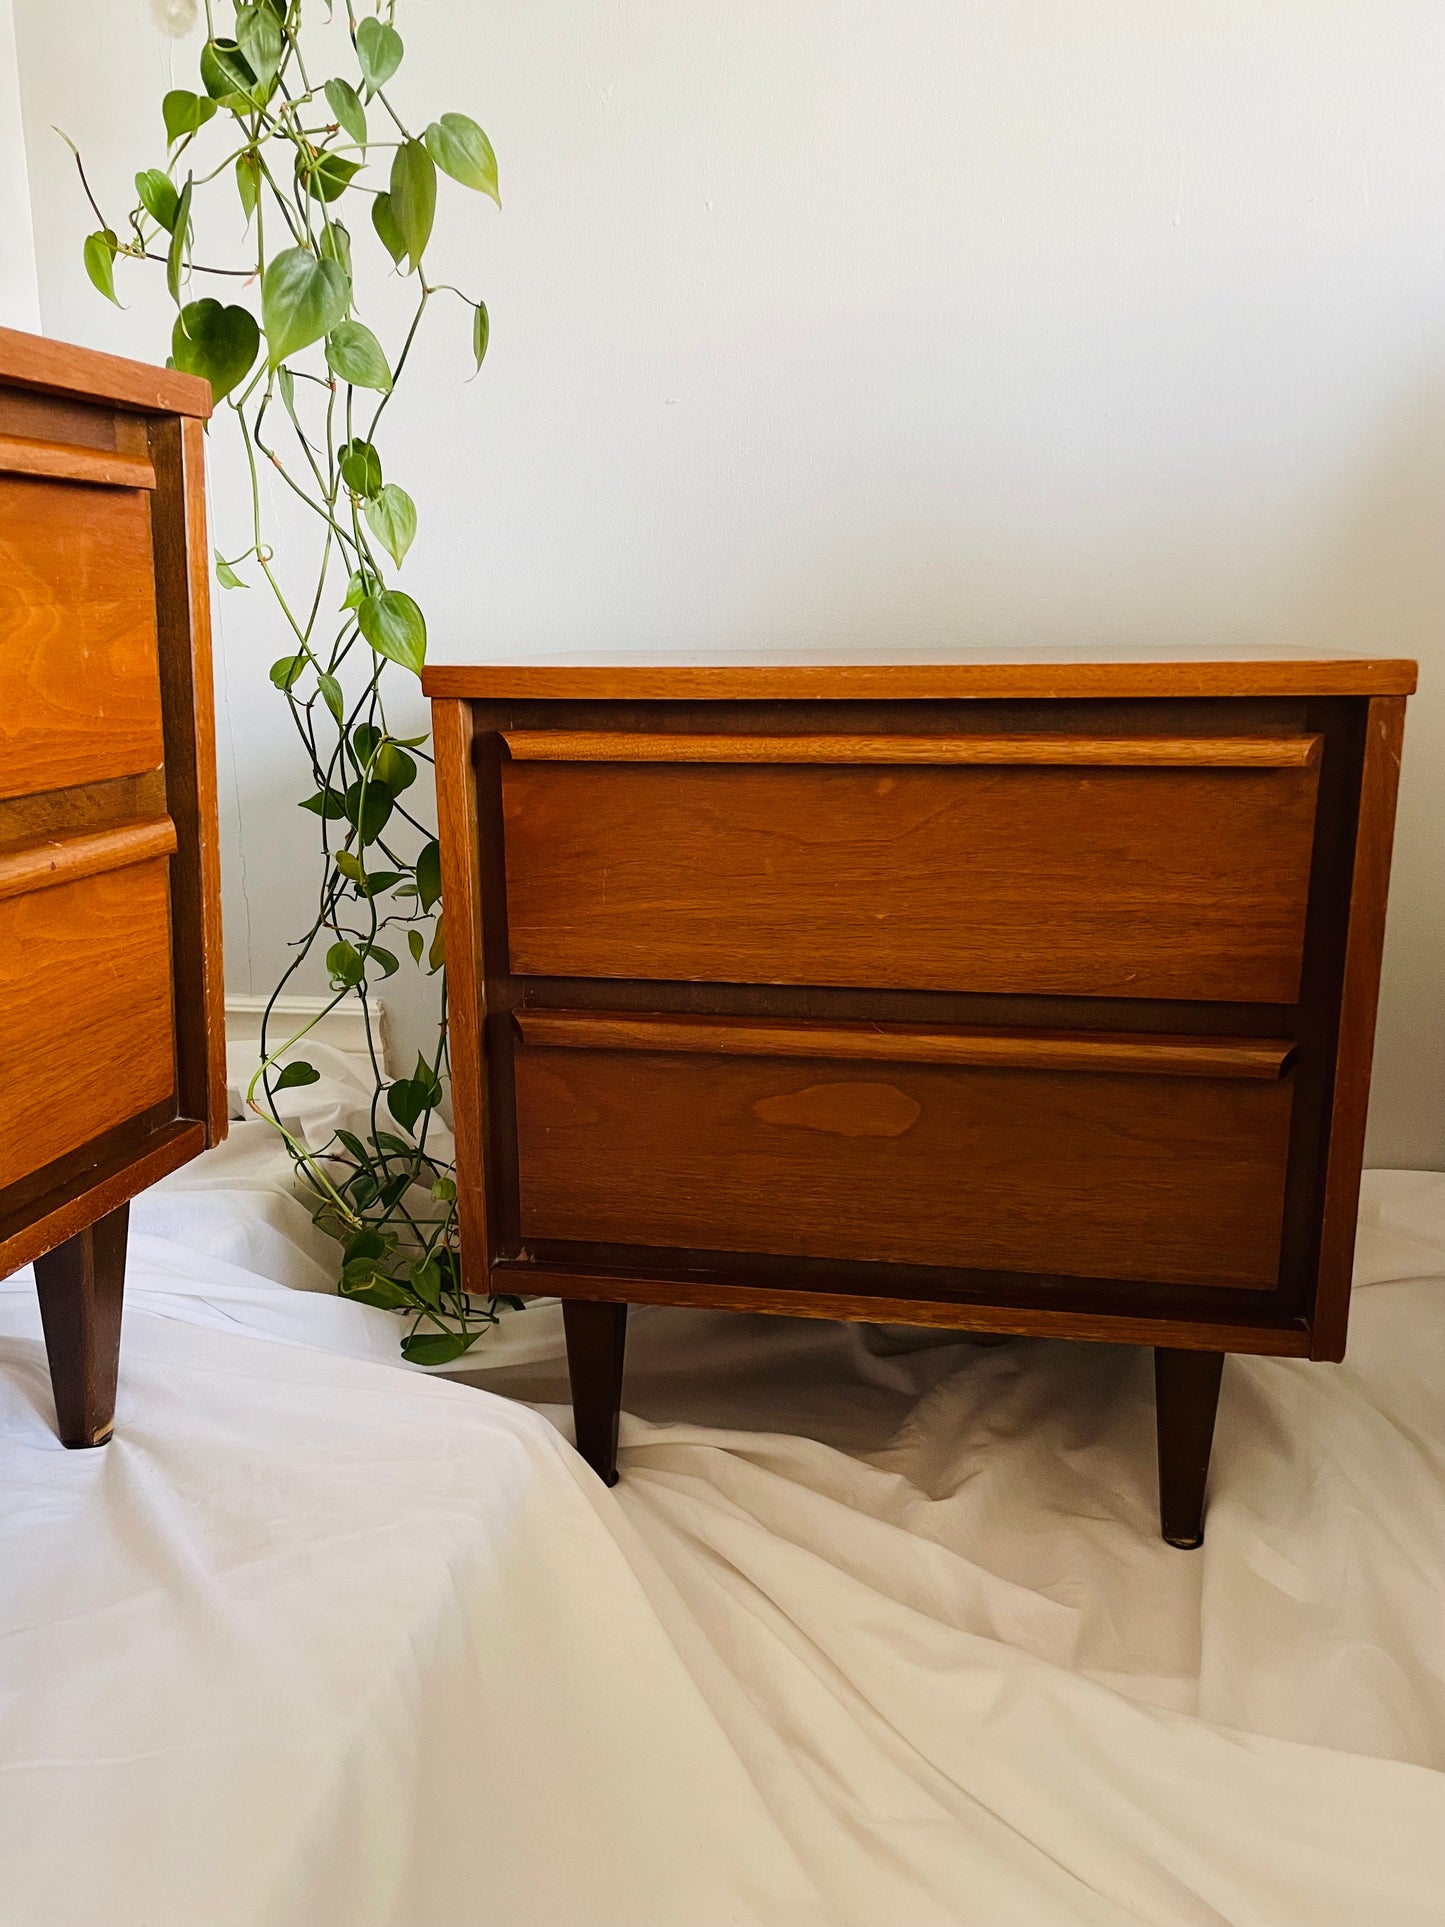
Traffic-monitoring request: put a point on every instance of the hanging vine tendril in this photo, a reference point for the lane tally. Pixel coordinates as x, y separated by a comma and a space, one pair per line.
307, 386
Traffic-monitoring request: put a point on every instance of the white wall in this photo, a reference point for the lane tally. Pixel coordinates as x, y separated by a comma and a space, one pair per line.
19, 290
815, 319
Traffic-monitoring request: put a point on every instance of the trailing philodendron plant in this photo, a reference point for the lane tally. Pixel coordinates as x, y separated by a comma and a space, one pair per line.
307, 384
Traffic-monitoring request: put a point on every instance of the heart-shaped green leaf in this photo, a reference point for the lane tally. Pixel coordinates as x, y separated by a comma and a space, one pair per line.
180, 241
429, 874
415, 944
99, 256
391, 517
410, 1096
413, 197
228, 76
395, 768
334, 243
461, 149
405, 1102
481, 332
345, 103
184, 112
386, 963
379, 51
368, 1286
361, 471
354, 353
383, 219
325, 804
248, 182
331, 694
325, 176
344, 966
363, 1244
425, 1279
219, 343
226, 575
437, 1348
395, 628
358, 589
296, 1073
286, 669
301, 300
258, 35
158, 197
368, 808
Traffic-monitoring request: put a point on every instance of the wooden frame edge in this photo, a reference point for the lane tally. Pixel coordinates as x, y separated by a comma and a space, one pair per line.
1359, 1004
188, 708
61, 368
981, 1048
453, 733
1105, 1328
882, 681
1019, 751
178, 1143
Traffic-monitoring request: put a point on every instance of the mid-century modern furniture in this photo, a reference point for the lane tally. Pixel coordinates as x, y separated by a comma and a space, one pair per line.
112, 1044
1029, 996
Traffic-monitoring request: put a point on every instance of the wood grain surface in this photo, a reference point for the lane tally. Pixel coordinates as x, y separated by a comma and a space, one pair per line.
67, 462
79, 679
66, 859
60, 368
1152, 1056
86, 1035
1146, 883
1175, 1180
923, 675
677, 746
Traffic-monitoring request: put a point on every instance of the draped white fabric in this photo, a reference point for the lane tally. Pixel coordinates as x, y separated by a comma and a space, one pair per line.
876, 1632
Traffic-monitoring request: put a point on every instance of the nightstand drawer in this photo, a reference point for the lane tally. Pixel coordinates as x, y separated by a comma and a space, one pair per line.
1170, 867
86, 1024
1083, 1155
80, 696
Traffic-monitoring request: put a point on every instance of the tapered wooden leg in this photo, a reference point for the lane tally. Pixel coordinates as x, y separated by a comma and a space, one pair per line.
81, 1284
1186, 1395
596, 1340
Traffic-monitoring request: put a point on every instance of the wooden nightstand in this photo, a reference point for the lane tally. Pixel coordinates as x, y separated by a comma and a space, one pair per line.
1019, 996
112, 1033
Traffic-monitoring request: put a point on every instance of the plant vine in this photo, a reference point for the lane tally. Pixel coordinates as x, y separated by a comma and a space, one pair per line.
307, 386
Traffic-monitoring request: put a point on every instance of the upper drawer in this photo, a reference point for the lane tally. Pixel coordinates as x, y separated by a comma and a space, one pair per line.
79, 680
1152, 867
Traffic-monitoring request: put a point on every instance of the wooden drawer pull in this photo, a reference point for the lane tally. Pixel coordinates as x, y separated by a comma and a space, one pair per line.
65, 462
1134, 752
40, 866
1037, 1050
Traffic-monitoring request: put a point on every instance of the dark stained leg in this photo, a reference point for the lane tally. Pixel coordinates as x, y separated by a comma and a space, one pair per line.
1186, 1394
81, 1284
596, 1338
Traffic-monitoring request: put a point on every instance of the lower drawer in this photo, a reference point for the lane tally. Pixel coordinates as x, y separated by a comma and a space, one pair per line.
1141, 1158
86, 1028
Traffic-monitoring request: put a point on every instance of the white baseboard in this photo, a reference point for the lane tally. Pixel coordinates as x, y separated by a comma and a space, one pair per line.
343, 1028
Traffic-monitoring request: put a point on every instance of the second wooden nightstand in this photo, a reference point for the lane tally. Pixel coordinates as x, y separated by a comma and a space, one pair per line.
1027, 996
